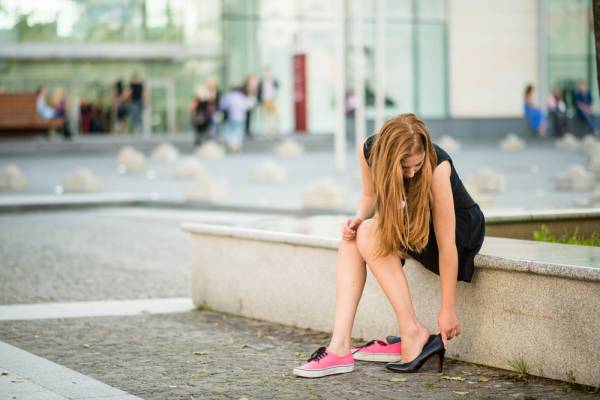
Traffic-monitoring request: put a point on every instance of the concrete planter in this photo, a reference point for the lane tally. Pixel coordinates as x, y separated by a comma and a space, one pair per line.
535, 301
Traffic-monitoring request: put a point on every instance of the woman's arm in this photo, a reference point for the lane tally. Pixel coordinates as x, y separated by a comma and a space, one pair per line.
444, 223
366, 203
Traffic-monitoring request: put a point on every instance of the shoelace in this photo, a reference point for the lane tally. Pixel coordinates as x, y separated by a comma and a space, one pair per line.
370, 343
317, 355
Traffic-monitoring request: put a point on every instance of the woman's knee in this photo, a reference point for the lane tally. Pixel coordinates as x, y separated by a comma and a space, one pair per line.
365, 236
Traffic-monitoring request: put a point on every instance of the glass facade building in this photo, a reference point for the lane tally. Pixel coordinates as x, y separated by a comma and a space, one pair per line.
570, 45
86, 45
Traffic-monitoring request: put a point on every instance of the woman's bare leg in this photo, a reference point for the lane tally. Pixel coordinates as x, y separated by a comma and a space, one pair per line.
391, 277
350, 282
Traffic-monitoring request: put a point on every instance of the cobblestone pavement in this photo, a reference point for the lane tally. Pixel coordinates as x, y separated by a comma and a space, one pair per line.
208, 355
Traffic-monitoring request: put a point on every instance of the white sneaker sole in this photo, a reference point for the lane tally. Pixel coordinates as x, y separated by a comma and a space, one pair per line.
318, 373
376, 357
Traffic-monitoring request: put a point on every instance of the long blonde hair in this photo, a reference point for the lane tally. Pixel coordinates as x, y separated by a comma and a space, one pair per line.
399, 228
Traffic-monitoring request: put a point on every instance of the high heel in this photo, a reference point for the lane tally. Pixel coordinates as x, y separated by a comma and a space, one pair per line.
434, 346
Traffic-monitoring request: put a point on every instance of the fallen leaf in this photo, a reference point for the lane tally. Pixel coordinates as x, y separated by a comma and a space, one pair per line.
87, 346
428, 385
462, 393
245, 346
398, 380
453, 378
300, 355
483, 379
201, 353
260, 333
18, 380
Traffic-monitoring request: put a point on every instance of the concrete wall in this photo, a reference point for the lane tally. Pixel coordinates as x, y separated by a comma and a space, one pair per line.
513, 309
493, 53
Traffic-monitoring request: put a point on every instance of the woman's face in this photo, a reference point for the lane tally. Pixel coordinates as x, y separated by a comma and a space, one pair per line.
411, 165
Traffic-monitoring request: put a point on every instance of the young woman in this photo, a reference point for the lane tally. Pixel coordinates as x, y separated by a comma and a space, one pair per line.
536, 117
413, 204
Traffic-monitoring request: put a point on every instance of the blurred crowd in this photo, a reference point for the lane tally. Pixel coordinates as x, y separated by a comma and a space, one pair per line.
227, 116
217, 114
566, 109
125, 111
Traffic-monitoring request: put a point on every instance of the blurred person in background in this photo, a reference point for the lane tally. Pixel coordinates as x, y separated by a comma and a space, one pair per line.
234, 104
349, 111
267, 97
59, 104
202, 114
536, 118
583, 106
214, 96
120, 106
100, 119
557, 111
137, 101
85, 115
250, 90
45, 111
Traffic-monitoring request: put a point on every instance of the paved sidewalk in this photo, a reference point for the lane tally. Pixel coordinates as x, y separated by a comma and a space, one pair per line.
106, 255
530, 176
24, 376
208, 355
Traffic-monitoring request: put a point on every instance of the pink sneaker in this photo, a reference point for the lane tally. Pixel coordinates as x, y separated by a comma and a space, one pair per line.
321, 363
389, 350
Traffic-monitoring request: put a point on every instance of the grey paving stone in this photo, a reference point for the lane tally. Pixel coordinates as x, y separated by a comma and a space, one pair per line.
204, 354
48, 257
13, 386
124, 397
38, 396
17, 386
76, 387
29, 373
94, 308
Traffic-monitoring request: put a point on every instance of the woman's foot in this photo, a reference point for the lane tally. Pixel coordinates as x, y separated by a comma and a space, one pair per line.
433, 347
380, 350
322, 363
413, 343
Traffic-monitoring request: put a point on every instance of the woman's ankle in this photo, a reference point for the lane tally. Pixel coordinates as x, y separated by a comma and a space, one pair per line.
414, 331
339, 347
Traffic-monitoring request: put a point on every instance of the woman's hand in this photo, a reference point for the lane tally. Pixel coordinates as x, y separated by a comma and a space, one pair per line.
449, 324
350, 227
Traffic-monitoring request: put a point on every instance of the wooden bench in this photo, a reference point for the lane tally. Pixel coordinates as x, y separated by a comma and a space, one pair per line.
19, 117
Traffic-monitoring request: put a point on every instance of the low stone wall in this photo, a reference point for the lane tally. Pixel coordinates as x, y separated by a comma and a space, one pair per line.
532, 301
521, 225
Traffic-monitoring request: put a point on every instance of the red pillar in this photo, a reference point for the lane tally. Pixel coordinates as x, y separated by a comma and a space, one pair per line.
300, 98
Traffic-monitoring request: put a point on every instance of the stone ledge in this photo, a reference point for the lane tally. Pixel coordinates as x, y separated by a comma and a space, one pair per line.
563, 261
542, 310
494, 217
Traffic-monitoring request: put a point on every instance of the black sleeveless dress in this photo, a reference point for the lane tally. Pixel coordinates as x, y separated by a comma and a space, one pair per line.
470, 223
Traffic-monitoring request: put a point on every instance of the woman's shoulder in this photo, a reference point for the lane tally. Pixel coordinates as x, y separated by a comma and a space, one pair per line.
367, 146
441, 154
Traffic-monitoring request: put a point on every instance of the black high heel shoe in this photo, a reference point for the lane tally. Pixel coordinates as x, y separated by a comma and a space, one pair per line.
434, 346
